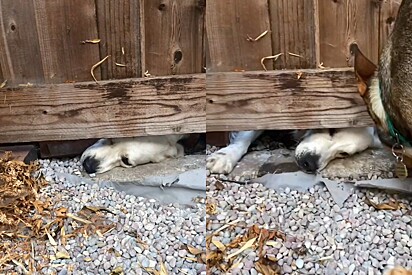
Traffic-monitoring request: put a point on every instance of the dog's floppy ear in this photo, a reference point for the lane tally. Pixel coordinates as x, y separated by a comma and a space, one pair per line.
364, 68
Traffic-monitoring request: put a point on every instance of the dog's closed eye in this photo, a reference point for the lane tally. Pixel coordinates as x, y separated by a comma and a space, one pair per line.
125, 161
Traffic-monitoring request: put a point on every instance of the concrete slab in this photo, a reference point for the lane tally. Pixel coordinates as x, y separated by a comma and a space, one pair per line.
368, 164
141, 172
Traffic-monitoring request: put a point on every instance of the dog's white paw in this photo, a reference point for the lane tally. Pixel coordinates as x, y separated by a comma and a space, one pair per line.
222, 161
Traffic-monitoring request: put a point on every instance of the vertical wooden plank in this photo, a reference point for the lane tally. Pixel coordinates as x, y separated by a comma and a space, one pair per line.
20, 57
228, 23
388, 13
343, 22
119, 27
62, 25
173, 36
293, 24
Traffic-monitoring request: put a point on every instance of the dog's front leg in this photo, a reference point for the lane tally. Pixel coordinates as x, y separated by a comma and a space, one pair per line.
224, 160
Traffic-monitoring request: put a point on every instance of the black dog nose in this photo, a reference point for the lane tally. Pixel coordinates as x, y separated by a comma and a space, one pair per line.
90, 165
308, 162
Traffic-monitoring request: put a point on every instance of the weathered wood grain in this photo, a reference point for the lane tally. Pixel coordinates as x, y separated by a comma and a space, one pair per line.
132, 107
173, 36
387, 15
228, 23
342, 22
119, 27
20, 58
279, 100
294, 30
61, 26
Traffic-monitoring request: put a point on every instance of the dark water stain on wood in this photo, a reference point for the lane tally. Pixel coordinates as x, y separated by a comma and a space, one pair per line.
169, 84
118, 90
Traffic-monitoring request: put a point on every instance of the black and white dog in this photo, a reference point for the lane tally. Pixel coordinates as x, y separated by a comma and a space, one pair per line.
106, 154
314, 150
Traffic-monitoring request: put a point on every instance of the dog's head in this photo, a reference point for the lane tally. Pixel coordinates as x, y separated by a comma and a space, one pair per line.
387, 90
104, 156
318, 148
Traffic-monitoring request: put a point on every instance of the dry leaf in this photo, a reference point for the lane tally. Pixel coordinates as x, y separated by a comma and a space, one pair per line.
219, 186
61, 212
392, 205
97, 65
118, 270
268, 266
62, 255
247, 245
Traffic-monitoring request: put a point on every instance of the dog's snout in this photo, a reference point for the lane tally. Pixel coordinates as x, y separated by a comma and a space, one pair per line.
90, 165
308, 162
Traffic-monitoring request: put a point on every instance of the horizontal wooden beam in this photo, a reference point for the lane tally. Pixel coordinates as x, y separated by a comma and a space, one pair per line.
286, 99
118, 108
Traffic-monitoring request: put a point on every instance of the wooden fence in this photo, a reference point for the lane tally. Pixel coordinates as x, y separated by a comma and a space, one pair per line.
309, 34
45, 58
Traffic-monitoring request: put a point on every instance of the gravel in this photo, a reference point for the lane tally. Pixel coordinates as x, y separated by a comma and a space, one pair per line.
354, 239
146, 233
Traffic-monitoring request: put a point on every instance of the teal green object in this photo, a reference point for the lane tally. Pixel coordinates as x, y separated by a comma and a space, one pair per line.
392, 130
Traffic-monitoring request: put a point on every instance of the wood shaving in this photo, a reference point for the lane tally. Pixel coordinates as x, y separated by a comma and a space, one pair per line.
119, 64
295, 55
62, 255
320, 66
97, 65
299, 75
25, 219
91, 41
122, 50
27, 85
255, 238
250, 39
247, 245
146, 74
3, 84
274, 57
